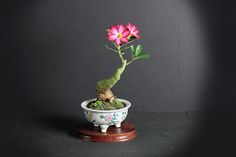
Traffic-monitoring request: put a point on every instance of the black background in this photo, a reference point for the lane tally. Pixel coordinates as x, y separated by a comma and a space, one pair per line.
53, 54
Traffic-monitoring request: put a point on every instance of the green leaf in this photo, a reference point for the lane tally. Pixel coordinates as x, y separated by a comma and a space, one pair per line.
138, 50
143, 55
132, 48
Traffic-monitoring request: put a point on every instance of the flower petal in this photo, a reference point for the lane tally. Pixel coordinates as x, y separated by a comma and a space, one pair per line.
129, 25
117, 41
121, 28
123, 39
125, 33
133, 28
135, 32
137, 36
112, 37
113, 30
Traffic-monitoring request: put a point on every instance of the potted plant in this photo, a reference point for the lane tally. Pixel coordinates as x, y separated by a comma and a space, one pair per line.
107, 109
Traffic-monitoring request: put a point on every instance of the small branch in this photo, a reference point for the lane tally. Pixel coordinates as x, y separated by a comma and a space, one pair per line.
115, 44
132, 60
127, 43
111, 48
120, 54
126, 48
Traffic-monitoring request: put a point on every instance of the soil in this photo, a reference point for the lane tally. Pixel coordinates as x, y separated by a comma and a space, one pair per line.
103, 105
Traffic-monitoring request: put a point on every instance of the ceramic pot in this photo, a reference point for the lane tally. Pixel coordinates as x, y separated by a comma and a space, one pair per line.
105, 118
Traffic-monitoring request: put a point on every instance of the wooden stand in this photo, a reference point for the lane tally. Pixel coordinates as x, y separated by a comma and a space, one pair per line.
92, 134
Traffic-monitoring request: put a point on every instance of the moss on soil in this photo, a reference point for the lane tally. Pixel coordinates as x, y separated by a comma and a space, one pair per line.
103, 105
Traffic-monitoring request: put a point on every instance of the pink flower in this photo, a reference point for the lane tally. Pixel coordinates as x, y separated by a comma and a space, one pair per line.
108, 117
118, 34
133, 30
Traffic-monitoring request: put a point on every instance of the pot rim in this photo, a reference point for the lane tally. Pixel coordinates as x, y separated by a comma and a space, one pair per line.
84, 106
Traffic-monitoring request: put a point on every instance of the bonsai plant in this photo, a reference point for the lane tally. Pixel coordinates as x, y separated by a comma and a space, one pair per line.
107, 109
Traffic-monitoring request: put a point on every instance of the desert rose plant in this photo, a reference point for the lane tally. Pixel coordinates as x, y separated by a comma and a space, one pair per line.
121, 37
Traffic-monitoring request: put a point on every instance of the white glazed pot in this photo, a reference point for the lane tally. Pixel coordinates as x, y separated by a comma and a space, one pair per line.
105, 118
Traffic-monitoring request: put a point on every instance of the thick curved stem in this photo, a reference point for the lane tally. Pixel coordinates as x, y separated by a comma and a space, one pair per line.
103, 87
106, 84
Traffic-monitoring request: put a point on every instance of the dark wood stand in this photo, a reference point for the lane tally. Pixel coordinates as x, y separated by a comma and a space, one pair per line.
92, 134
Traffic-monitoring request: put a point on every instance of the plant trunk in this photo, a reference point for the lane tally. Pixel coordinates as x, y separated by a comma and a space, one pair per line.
103, 87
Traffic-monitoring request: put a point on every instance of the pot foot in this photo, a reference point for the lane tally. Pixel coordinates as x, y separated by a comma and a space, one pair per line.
118, 125
104, 128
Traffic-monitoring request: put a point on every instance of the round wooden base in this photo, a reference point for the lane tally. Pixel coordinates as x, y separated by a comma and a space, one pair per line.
92, 134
